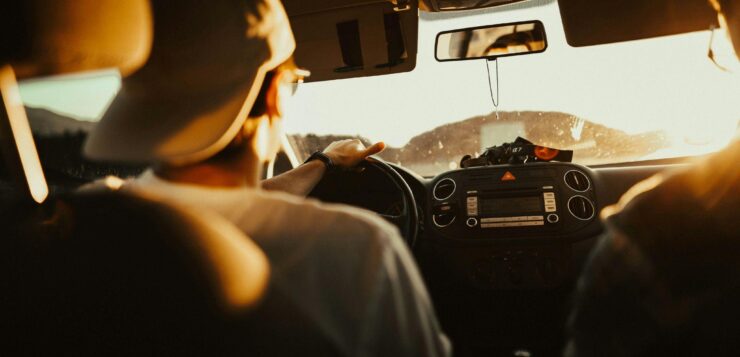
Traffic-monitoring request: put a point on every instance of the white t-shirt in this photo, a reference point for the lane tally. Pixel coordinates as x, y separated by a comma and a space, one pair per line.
347, 269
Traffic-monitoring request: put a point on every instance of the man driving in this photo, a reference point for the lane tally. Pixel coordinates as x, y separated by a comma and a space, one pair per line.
664, 280
205, 113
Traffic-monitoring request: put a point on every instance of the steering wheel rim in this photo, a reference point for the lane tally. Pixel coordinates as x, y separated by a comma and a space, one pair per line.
408, 221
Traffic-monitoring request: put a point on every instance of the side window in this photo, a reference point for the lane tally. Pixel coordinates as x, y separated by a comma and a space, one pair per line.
62, 110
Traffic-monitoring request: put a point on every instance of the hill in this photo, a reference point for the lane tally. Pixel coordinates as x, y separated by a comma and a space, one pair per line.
45, 122
441, 148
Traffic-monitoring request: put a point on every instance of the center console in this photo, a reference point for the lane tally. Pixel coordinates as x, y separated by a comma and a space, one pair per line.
512, 226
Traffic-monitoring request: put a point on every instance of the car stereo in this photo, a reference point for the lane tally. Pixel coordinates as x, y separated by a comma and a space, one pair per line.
502, 210
507, 201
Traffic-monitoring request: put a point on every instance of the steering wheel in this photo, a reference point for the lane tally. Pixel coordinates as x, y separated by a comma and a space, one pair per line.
407, 218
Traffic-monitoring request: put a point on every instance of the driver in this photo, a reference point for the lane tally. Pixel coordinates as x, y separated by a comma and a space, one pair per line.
205, 112
665, 278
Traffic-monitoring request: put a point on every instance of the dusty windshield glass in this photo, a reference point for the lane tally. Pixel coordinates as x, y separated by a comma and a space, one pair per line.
641, 100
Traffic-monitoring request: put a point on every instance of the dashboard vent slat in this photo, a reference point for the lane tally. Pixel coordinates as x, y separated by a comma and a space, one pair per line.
577, 181
444, 189
581, 208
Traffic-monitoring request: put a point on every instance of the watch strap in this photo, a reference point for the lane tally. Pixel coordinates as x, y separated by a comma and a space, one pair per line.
318, 155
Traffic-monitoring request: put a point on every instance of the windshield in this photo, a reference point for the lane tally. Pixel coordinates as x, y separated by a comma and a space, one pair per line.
640, 100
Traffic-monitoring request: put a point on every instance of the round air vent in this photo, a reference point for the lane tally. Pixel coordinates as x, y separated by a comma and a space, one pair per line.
581, 208
444, 189
577, 181
443, 220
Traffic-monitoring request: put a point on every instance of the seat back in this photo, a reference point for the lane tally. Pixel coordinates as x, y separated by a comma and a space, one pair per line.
110, 273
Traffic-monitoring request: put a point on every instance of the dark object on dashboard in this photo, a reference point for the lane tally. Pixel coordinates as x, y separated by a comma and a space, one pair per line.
521, 151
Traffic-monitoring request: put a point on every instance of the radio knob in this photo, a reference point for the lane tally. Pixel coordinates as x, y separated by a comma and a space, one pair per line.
472, 222
553, 218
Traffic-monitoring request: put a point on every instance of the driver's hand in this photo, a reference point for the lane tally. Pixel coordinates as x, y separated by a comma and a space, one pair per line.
348, 153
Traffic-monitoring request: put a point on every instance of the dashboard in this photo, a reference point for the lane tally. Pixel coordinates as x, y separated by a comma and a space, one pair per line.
500, 247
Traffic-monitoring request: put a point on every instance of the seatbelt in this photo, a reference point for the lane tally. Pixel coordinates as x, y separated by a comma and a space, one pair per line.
18, 147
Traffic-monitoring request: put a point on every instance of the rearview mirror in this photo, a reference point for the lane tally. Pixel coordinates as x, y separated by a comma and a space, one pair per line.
491, 42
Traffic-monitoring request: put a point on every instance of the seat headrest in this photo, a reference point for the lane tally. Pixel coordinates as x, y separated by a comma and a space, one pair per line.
45, 37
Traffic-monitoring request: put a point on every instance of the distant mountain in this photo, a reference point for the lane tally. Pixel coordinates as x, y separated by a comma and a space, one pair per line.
554, 129
45, 123
442, 147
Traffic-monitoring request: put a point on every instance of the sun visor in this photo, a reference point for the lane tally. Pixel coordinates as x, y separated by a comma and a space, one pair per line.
596, 22
351, 38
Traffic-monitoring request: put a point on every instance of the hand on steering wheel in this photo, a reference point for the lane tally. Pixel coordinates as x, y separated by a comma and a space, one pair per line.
349, 153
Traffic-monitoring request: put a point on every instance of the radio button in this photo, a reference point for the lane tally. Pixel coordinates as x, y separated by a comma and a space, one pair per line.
549, 194
471, 222
472, 200
492, 225
553, 218
550, 208
493, 220
535, 218
549, 201
532, 223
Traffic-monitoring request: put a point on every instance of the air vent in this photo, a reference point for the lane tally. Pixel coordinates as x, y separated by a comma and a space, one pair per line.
444, 189
581, 208
577, 181
443, 220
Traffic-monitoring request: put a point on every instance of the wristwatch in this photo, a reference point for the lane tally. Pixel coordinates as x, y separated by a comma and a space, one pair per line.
318, 155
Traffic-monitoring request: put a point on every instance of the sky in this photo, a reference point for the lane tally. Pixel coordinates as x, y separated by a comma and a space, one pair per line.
657, 84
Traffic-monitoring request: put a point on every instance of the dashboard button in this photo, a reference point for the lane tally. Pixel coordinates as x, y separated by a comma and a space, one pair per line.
535, 218
549, 195
550, 208
553, 218
492, 225
472, 222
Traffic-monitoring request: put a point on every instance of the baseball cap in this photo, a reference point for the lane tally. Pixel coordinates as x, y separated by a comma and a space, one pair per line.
207, 64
